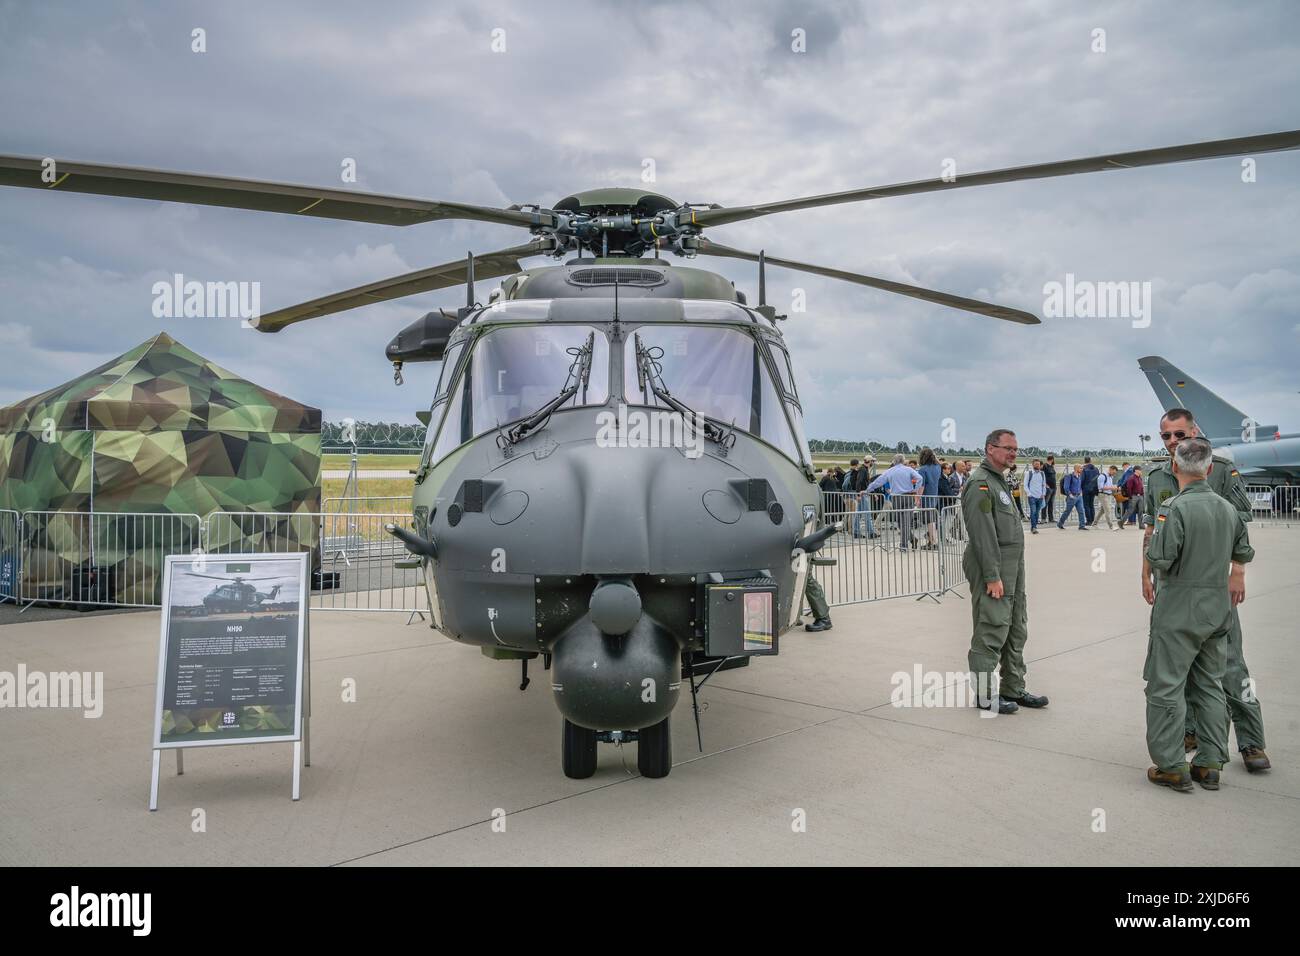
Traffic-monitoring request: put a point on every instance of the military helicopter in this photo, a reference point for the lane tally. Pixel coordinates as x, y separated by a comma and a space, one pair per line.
235, 596
548, 520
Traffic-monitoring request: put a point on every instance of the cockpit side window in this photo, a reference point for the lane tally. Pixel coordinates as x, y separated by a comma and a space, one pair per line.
781, 359
449, 360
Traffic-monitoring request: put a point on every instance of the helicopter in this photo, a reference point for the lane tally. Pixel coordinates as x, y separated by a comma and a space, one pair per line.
548, 519
235, 596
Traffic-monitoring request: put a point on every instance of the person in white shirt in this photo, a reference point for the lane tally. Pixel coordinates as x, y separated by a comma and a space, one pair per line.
1036, 489
905, 485
1106, 498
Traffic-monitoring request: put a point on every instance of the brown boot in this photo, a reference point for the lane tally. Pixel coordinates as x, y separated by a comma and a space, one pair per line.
1207, 777
1175, 780
1189, 743
1255, 758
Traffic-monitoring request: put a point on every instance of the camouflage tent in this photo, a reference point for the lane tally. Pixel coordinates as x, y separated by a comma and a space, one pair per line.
160, 430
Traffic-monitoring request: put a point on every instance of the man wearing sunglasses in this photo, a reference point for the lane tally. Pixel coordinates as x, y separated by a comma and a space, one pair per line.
994, 564
1161, 485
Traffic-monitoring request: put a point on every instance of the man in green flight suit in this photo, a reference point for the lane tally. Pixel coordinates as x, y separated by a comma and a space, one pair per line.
994, 563
816, 598
1243, 706
1197, 535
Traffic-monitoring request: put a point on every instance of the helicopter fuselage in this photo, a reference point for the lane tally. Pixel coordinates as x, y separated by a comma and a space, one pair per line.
610, 535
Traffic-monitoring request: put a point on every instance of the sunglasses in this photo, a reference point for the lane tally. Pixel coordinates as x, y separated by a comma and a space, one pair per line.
1165, 436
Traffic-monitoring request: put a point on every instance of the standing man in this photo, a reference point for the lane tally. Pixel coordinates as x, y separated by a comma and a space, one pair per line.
1089, 476
860, 483
905, 485
1135, 490
1106, 497
1036, 489
994, 563
1049, 475
1176, 426
1072, 488
1197, 535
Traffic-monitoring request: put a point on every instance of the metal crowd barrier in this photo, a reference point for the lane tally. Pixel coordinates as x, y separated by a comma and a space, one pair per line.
364, 503
10, 555
1277, 505
890, 549
101, 558
116, 560
354, 558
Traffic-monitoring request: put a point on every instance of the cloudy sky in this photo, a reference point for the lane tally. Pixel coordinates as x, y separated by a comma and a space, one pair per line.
715, 95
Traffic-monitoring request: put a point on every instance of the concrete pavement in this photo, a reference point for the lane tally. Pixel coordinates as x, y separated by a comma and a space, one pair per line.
440, 739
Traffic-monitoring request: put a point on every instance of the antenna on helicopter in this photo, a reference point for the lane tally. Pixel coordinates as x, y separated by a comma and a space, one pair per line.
762, 279
469, 279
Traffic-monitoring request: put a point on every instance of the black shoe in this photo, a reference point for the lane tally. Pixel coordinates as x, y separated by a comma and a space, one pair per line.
1005, 706
1029, 700
1033, 531
821, 624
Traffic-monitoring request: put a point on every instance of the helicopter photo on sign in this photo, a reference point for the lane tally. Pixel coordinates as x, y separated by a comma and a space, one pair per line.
231, 654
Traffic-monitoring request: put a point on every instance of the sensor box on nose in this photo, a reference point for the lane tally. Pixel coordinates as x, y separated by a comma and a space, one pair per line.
740, 619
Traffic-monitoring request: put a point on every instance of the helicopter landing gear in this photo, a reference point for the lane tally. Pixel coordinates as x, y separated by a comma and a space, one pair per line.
654, 755
654, 752
579, 751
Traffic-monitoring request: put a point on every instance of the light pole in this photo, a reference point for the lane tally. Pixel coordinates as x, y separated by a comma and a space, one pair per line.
1144, 439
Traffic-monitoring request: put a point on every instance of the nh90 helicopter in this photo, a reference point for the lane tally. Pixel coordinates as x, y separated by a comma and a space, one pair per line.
544, 525
234, 596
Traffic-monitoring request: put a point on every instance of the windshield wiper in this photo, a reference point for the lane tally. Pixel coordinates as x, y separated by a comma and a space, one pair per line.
649, 371
577, 379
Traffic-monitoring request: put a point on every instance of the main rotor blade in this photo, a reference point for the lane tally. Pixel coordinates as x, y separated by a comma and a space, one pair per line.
708, 247
138, 183
1266, 143
491, 265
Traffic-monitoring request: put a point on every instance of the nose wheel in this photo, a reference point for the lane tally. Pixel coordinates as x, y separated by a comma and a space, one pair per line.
579, 751
654, 751
654, 754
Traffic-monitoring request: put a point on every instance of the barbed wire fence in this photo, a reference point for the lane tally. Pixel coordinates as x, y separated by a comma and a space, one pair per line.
397, 437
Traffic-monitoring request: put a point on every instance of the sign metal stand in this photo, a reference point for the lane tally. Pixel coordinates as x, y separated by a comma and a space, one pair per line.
300, 733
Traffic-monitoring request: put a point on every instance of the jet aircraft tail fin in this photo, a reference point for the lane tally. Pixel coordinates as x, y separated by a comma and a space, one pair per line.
1219, 420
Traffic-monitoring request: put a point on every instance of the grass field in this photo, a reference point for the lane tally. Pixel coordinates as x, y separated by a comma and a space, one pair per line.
371, 462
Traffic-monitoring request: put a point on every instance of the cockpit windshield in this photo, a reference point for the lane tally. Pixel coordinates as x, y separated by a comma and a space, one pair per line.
513, 372
718, 372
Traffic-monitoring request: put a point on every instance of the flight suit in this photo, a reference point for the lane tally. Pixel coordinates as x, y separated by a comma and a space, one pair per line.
816, 598
995, 550
1196, 534
1243, 706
